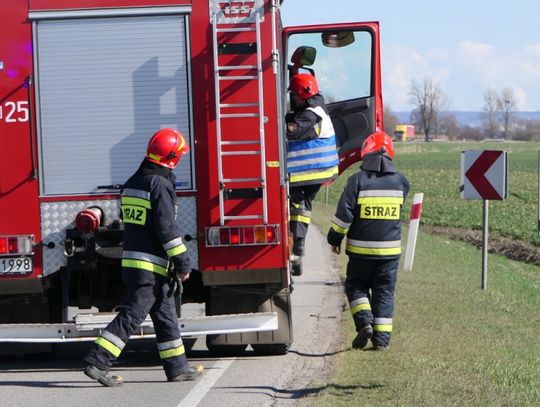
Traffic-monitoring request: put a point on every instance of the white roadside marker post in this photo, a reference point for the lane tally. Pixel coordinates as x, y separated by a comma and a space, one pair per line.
416, 211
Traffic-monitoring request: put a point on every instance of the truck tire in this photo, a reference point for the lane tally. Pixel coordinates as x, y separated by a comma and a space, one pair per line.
238, 300
224, 350
272, 349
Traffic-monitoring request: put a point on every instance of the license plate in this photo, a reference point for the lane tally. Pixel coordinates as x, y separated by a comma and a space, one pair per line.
16, 265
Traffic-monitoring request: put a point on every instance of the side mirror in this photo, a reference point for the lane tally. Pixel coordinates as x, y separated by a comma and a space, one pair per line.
337, 39
304, 56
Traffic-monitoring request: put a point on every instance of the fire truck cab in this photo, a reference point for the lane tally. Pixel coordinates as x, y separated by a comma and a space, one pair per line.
82, 89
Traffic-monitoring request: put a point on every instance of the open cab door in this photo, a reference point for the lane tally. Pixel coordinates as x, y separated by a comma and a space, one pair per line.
345, 59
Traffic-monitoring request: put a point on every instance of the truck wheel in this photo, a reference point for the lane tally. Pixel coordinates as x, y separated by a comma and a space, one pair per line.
271, 349
225, 350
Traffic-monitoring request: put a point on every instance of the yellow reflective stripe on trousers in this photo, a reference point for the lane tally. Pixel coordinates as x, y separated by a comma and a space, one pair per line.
176, 250
108, 346
382, 328
300, 218
170, 353
360, 307
145, 265
379, 251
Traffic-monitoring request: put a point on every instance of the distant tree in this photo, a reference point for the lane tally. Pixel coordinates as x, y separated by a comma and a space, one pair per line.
471, 133
449, 125
527, 130
390, 120
490, 113
430, 101
507, 105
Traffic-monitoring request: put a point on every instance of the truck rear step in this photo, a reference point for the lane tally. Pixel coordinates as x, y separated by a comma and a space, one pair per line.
87, 327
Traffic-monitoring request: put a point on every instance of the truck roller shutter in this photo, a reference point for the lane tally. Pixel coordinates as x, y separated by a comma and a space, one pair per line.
104, 86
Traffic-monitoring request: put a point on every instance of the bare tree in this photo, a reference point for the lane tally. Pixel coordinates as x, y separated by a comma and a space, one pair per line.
430, 101
449, 124
490, 113
527, 130
507, 106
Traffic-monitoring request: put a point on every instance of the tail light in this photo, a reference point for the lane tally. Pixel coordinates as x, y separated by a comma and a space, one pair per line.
16, 245
242, 235
88, 220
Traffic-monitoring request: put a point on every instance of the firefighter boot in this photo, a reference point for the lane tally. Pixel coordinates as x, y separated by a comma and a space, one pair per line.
296, 258
361, 339
103, 376
296, 263
299, 246
187, 373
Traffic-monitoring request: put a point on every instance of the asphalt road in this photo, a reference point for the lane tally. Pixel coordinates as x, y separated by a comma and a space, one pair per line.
248, 380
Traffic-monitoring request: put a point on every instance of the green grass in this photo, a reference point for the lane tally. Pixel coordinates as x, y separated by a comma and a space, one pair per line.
453, 344
434, 169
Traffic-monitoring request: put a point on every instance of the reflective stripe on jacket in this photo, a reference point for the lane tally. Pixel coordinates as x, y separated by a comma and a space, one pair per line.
151, 234
369, 214
314, 160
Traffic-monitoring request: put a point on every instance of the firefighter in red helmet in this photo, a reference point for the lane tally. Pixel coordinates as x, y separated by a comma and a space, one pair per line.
369, 215
312, 158
152, 241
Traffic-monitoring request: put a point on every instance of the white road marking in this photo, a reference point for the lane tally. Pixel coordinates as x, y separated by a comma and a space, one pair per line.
205, 383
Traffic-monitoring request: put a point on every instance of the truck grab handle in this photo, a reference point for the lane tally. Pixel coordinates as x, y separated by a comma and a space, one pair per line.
113, 186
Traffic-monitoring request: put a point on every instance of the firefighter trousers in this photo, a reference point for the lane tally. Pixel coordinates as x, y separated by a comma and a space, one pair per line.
142, 300
301, 203
370, 286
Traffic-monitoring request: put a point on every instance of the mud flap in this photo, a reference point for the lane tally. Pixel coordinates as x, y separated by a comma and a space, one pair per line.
226, 300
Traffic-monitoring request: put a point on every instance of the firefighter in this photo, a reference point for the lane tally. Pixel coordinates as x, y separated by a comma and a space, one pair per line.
312, 158
369, 214
152, 242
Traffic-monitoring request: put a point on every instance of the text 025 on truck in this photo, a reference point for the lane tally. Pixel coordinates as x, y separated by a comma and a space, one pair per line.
82, 90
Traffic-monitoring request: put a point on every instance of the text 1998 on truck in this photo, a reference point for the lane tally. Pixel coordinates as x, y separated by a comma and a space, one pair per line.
81, 91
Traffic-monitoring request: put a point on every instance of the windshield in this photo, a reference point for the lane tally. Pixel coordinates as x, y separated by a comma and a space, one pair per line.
344, 71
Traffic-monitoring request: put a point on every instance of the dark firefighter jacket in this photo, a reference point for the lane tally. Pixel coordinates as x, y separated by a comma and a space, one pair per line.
151, 234
369, 211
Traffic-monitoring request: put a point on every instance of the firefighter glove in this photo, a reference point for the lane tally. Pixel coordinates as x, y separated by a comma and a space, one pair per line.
175, 286
182, 265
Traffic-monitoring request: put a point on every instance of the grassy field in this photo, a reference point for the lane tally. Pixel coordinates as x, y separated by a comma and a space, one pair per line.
434, 169
453, 344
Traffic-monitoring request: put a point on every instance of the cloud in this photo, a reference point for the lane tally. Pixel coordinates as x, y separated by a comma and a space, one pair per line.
402, 64
533, 50
465, 72
491, 67
475, 49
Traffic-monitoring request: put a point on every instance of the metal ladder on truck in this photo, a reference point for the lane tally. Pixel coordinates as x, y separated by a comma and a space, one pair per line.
226, 112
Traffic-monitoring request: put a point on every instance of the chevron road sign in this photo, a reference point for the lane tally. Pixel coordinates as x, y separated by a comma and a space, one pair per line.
484, 174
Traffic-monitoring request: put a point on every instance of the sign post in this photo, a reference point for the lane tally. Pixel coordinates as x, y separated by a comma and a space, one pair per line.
538, 204
484, 176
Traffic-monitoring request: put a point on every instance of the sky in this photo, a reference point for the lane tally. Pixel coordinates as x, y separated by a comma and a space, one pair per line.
467, 46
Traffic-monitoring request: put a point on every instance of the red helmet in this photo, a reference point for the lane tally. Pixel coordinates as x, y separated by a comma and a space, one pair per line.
304, 85
166, 147
378, 142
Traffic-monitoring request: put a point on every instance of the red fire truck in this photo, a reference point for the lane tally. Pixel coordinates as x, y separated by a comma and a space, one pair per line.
84, 84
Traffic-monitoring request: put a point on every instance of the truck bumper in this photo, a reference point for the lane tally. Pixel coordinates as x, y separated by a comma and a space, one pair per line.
21, 286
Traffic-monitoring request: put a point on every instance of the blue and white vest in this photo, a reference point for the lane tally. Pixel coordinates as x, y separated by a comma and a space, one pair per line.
314, 161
